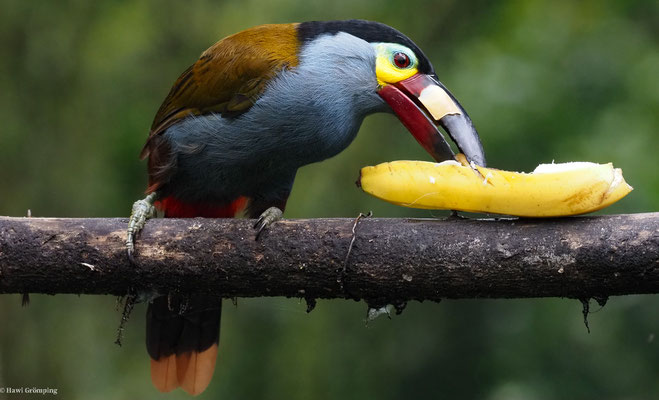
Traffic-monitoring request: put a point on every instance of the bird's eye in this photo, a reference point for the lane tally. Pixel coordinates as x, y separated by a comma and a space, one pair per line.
401, 60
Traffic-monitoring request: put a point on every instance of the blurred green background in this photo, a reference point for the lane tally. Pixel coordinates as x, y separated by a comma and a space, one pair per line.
80, 82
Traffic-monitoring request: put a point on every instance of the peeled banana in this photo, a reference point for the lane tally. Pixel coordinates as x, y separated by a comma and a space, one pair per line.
551, 190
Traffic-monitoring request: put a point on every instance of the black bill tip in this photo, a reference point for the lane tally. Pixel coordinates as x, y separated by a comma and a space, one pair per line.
463, 133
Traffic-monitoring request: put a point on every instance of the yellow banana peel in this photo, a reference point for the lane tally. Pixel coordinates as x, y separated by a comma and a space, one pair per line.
551, 190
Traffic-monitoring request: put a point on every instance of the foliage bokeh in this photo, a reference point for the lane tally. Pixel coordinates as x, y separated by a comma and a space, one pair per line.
80, 82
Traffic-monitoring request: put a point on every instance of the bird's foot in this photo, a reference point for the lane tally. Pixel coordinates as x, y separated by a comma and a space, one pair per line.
142, 210
267, 218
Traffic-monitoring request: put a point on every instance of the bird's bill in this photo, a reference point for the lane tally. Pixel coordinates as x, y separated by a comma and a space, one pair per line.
422, 103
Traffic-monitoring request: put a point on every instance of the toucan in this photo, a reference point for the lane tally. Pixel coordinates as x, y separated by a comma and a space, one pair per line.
236, 126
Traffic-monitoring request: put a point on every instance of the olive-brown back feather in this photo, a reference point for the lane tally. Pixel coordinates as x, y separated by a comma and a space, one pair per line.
227, 79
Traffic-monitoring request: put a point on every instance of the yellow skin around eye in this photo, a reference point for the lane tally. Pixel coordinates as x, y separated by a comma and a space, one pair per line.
386, 72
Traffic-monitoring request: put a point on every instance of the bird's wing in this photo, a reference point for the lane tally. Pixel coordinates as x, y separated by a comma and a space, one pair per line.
227, 79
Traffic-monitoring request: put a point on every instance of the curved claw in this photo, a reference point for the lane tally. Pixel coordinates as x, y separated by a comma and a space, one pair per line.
267, 218
142, 210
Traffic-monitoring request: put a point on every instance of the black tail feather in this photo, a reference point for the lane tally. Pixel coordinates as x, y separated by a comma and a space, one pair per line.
178, 324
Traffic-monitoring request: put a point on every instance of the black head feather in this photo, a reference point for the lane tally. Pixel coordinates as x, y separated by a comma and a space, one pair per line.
370, 31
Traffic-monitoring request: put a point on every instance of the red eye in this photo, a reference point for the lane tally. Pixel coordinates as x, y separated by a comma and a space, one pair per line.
401, 60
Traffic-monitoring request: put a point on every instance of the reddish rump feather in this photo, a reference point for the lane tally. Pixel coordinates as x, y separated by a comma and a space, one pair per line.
174, 208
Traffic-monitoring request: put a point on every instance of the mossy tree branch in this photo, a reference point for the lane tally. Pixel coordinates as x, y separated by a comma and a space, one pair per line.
391, 260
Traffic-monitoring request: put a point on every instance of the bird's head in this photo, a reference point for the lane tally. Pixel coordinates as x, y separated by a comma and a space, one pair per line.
405, 79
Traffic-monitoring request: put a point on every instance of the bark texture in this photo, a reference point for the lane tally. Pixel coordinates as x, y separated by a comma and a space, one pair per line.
391, 260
